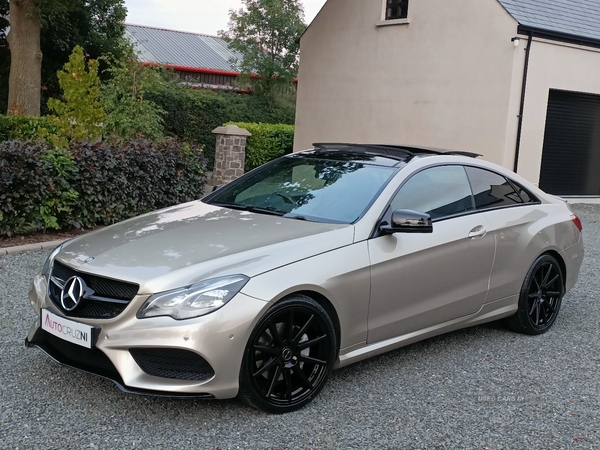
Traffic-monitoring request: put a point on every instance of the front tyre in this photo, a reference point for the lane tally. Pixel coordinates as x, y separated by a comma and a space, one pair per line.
540, 297
289, 356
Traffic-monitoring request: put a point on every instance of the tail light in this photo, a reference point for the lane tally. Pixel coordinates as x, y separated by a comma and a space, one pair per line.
577, 222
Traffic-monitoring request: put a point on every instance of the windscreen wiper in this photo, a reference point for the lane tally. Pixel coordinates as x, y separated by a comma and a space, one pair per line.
254, 209
295, 216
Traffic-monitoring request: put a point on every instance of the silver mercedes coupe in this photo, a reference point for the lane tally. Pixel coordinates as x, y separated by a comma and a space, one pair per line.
311, 262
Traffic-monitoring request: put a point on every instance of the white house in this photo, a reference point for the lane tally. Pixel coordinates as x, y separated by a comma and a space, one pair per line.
517, 81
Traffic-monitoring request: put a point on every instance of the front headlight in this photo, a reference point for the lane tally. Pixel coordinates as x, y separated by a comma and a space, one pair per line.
193, 301
50, 261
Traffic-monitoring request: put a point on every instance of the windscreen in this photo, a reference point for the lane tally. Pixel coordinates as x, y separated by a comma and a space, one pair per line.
321, 190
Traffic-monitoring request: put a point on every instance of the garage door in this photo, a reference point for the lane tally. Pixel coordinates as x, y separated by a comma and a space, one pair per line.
571, 155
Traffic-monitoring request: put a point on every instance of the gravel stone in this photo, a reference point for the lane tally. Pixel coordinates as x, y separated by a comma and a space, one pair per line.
479, 388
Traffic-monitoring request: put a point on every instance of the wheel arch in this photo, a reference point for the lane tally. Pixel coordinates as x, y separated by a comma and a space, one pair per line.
268, 395
327, 306
561, 263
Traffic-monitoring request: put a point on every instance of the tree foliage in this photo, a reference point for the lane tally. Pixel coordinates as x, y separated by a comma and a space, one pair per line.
192, 114
4, 23
4, 55
81, 112
90, 109
266, 34
129, 111
95, 25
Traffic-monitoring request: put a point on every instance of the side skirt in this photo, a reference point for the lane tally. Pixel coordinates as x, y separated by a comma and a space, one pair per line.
488, 313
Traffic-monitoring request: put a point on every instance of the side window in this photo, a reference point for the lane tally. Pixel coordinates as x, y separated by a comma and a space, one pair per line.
440, 191
491, 190
396, 9
525, 195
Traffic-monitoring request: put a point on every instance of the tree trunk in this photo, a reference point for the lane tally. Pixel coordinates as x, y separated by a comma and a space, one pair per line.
25, 81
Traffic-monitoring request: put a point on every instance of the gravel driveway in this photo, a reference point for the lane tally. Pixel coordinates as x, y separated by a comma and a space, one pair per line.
483, 387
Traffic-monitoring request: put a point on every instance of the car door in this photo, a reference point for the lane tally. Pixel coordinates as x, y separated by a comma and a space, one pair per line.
420, 280
512, 212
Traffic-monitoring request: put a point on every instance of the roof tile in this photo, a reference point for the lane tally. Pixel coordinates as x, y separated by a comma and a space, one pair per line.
578, 18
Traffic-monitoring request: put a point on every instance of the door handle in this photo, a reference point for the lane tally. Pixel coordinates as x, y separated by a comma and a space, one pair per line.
478, 232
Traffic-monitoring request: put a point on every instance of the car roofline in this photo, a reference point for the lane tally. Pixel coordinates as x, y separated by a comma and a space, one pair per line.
400, 152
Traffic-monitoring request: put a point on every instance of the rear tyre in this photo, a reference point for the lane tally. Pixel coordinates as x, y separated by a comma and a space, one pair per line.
540, 297
289, 356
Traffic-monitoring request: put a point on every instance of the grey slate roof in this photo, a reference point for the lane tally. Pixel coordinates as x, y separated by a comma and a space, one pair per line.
181, 48
576, 18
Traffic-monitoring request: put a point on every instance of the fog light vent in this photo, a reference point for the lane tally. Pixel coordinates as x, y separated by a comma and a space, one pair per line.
172, 363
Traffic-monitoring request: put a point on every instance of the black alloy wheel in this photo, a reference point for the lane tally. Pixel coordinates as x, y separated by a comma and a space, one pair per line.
540, 297
289, 356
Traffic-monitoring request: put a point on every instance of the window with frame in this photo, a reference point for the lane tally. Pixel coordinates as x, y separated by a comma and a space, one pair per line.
396, 9
440, 191
314, 189
527, 196
492, 190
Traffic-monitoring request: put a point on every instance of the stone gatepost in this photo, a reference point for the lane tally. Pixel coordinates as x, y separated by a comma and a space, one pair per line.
230, 153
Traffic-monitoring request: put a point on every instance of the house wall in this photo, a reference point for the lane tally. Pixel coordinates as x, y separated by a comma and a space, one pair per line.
552, 65
449, 79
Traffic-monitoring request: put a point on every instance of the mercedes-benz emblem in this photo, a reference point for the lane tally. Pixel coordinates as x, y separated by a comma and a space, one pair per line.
72, 293
287, 354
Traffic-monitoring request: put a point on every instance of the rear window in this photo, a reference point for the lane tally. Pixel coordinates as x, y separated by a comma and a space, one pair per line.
491, 190
525, 195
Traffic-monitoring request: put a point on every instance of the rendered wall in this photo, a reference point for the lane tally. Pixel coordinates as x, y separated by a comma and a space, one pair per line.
449, 79
552, 65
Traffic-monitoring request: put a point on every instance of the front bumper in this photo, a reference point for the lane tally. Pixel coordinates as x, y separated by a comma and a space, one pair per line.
93, 362
216, 341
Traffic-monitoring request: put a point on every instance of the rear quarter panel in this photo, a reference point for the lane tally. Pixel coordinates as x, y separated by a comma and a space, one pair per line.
522, 234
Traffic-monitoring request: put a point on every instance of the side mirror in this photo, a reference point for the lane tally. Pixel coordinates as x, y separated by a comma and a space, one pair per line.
408, 221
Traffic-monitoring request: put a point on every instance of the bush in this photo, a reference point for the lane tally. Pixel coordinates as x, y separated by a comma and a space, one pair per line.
129, 112
23, 127
35, 187
80, 112
91, 184
117, 180
191, 114
268, 141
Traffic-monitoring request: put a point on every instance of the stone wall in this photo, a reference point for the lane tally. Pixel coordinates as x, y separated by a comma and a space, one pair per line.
230, 153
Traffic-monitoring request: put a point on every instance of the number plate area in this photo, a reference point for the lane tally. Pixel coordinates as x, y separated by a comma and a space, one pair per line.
68, 330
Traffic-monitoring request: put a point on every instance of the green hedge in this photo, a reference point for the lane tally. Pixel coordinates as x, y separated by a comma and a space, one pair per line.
268, 141
35, 187
191, 114
23, 127
92, 184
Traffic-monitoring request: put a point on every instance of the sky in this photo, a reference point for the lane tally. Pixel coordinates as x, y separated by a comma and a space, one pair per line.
199, 16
